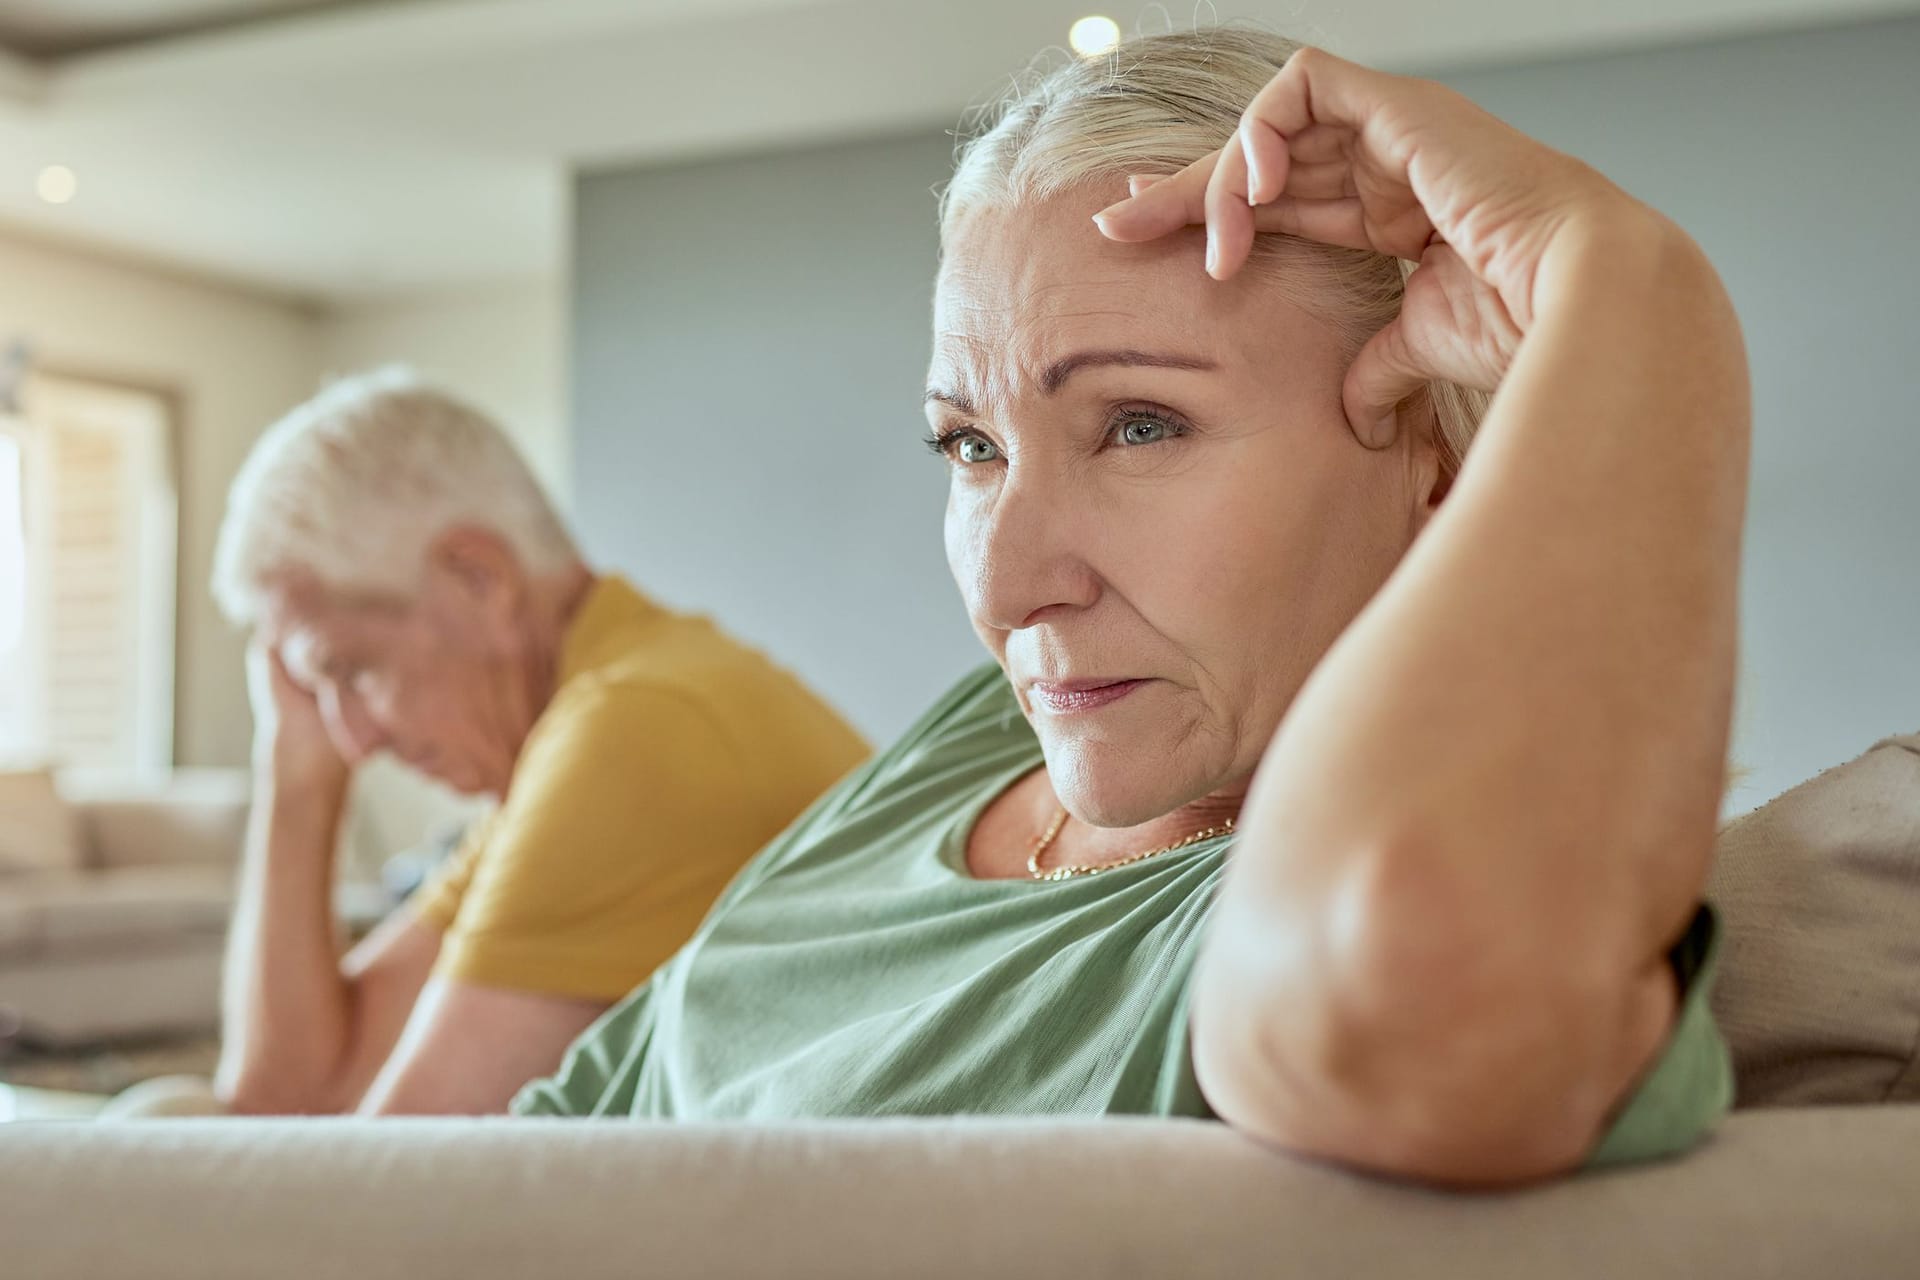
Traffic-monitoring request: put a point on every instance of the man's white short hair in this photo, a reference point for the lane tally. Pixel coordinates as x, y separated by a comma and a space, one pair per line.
354, 485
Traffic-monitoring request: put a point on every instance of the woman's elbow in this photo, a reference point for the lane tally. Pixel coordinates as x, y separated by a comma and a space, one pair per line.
1410, 1041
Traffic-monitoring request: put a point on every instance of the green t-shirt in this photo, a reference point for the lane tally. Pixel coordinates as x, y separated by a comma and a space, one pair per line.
855, 968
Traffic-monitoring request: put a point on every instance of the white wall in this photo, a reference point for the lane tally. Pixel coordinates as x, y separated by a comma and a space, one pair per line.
750, 337
234, 360
501, 346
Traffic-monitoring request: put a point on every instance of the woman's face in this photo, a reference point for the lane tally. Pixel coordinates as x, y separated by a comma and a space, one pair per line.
1158, 517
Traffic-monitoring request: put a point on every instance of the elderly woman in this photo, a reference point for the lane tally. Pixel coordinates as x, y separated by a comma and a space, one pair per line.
411, 591
1330, 779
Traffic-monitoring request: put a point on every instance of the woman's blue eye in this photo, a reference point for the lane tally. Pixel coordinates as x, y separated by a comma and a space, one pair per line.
1143, 431
973, 449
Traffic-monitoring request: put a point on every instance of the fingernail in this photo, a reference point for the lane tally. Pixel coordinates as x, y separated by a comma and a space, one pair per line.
1213, 252
1111, 209
1253, 166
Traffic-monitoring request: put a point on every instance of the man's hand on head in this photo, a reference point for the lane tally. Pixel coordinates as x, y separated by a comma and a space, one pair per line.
290, 740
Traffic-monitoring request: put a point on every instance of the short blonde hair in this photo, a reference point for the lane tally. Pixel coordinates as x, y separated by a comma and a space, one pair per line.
355, 484
1155, 104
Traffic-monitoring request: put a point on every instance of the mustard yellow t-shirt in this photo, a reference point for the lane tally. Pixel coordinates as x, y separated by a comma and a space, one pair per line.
669, 755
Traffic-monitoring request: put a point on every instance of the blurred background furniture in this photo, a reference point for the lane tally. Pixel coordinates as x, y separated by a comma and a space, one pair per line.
114, 901
123, 937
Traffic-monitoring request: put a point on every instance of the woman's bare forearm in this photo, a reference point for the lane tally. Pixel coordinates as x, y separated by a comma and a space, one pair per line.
1492, 807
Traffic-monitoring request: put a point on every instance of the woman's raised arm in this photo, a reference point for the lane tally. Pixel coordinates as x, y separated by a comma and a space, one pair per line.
1441, 949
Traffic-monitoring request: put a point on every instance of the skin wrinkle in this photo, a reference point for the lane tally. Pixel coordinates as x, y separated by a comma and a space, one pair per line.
1218, 564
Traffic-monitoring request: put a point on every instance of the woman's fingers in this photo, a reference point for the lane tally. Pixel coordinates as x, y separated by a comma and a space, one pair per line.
1316, 89
1173, 202
1267, 157
1319, 143
1326, 181
1288, 168
1338, 222
1229, 213
1383, 374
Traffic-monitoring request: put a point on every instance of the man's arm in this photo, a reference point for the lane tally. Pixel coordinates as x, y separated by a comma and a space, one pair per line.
468, 1048
303, 1031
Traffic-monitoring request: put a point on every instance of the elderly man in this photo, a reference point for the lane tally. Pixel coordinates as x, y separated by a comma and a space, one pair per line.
410, 590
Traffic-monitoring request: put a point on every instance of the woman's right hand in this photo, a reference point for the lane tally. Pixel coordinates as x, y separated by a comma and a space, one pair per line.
1340, 153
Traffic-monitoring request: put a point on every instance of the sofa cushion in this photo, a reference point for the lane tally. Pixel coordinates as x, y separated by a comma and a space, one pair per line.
1818, 891
71, 910
191, 816
38, 831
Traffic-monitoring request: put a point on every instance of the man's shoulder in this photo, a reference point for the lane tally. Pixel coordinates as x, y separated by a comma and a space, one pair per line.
606, 715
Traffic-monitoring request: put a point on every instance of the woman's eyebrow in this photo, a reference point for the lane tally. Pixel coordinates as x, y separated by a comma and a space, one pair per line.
960, 400
1060, 370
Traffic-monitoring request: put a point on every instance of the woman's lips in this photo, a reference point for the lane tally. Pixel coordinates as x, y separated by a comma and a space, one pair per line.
1081, 695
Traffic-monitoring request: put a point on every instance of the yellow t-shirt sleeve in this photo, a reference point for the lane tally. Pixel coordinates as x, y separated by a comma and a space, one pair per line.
437, 901
627, 815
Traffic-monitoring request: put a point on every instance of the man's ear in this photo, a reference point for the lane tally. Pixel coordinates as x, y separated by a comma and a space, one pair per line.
475, 575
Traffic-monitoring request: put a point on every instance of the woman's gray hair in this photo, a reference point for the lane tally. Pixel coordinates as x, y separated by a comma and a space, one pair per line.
354, 485
1153, 105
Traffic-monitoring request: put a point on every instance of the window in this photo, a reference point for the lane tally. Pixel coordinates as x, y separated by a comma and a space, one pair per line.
87, 501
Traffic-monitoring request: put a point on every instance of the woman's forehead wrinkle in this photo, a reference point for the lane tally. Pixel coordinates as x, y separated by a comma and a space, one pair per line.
959, 359
1015, 341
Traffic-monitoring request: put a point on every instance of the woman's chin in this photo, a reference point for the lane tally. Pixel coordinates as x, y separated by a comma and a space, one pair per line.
1118, 793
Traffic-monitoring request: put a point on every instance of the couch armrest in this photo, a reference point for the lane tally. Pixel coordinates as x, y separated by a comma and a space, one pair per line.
192, 816
1786, 1193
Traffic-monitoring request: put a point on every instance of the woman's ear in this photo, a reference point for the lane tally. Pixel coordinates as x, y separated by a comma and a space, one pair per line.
1429, 473
474, 578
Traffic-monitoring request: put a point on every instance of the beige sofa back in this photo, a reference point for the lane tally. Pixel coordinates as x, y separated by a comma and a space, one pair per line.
192, 817
1776, 1195
1819, 893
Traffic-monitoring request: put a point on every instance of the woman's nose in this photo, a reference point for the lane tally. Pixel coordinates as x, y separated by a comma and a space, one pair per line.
1023, 556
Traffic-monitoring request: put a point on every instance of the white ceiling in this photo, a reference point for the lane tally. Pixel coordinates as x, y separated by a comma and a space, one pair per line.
60, 28
368, 148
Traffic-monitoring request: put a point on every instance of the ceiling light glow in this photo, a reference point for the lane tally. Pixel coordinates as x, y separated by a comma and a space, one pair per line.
1094, 35
57, 184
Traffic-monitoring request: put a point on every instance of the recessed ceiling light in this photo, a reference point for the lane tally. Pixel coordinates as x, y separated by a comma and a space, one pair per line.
57, 184
1093, 35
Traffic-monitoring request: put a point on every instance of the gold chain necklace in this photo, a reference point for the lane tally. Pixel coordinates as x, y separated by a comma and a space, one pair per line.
1045, 840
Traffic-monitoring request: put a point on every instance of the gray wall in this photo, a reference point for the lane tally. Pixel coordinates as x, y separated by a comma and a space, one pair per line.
750, 338
750, 345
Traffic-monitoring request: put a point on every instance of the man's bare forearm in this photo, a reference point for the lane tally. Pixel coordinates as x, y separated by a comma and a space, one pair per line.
288, 1012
